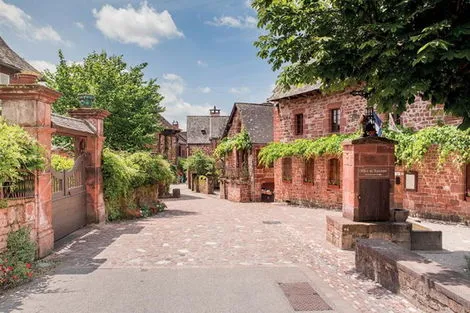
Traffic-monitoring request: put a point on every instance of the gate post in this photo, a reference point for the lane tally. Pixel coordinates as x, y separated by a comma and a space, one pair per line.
96, 212
29, 106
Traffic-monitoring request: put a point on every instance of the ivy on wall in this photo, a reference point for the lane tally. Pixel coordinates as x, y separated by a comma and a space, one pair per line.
239, 142
412, 146
410, 150
304, 148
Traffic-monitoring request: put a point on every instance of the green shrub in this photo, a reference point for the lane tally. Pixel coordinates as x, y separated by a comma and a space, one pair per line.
123, 173
200, 164
240, 142
60, 163
18, 152
16, 262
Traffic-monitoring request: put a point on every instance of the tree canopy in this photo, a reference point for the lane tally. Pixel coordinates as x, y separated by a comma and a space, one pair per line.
390, 50
134, 103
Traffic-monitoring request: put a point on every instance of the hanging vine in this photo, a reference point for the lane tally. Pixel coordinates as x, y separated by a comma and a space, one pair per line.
239, 142
410, 150
304, 148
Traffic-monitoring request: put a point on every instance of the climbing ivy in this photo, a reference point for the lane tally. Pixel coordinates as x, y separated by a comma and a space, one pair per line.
240, 142
412, 146
305, 148
410, 150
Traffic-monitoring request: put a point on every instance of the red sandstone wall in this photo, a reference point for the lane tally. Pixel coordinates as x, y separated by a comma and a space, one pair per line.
316, 110
421, 115
19, 213
318, 193
440, 194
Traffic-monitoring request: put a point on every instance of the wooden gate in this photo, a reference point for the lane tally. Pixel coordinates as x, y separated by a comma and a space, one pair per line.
374, 200
69, 199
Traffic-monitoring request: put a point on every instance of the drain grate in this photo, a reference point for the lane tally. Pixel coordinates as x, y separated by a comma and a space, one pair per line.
302, 297
272, 222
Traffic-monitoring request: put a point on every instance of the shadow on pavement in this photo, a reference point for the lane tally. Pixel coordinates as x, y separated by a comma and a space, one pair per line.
175, 213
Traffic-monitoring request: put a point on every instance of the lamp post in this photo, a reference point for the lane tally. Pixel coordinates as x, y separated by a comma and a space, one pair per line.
86, 100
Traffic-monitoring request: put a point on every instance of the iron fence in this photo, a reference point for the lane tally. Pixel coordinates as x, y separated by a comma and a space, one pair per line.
20, 189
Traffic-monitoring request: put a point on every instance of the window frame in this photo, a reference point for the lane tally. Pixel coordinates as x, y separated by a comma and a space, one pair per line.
335, 120
309, 171
286, 163
299, 123
337, 167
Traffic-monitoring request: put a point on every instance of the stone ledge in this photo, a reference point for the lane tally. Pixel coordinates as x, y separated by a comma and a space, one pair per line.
343, 232
428, 284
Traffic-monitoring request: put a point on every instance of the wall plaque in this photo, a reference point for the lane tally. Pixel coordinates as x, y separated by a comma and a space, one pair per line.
374, 172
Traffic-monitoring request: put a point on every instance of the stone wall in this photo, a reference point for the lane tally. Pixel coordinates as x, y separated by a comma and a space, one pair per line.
235, 190
316, 193
430, 286
440, 193
17, 214
206, 148
316, 109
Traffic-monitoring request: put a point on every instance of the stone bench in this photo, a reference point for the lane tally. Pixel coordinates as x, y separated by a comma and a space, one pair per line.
429, 285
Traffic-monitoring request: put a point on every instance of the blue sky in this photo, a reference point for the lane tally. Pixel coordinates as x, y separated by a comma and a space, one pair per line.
201, 51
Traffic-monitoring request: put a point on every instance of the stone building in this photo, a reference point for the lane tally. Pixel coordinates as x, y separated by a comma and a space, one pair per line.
167, 140
243, 179
204, 132
182, 145
307, 113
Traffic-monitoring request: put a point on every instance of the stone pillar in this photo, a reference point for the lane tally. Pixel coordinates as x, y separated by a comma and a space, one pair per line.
30, 107
94, 148
368, 179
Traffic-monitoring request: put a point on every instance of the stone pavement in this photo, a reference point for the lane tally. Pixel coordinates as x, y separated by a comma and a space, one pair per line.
203, 255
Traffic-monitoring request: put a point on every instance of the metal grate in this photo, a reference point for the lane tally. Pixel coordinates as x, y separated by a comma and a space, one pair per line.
302, 297
271, 222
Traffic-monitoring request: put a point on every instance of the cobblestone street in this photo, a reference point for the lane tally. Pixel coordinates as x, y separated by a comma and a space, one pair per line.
203, 232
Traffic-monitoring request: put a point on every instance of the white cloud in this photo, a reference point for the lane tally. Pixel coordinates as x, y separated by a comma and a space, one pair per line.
240, 90
42, 66
248, 3
205, 89
201, 63
47, 33
172, 87
15, 18
234, 22
79, 25
143, 26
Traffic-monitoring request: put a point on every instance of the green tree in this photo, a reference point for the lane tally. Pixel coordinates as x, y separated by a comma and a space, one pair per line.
391, 50
134, 103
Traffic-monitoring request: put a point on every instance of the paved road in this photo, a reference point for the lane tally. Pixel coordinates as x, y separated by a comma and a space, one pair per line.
203, 255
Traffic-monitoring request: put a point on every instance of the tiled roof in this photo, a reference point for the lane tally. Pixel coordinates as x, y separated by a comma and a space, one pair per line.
257, 120
183, 137
10, 59
70, 123
165, 124
201, 129
280, 93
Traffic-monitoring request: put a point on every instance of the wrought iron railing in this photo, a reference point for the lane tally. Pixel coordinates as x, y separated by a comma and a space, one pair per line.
20, 189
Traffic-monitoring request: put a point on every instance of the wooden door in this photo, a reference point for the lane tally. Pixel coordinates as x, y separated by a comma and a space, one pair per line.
374, 200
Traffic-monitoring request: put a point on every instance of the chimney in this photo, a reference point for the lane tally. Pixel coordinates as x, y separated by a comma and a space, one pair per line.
215, 111
176, 125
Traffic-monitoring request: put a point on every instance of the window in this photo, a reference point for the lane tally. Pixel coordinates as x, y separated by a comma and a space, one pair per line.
4, 79
287, 169
411, 181
309, 171
299, 124
396, 118
335, 127
333, 172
